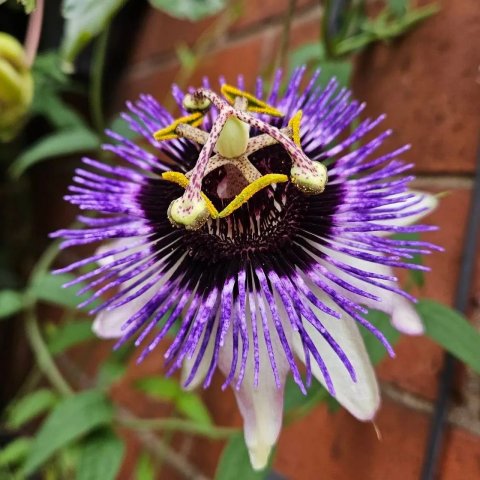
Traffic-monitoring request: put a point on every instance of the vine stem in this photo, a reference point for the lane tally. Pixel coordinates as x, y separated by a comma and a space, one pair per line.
96, 77
42, 355
37, 343
32, 38
285, 39
179, 425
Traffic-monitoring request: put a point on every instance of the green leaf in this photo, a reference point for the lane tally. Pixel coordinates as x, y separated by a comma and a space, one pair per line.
30, 406
398, 7
307, 54
374, 347
63, 142
49, 288
14, 452
50, 83
340, 69
166, 389
69, 335
121, 126
186, 56
188, 404
28, 5
101, 457
452, 331
144, 469
70, 420
191, 406
192, 10
295, 400
313, 55
114, 367
62, 117
10, 302
110, 372
235, 462
84, 19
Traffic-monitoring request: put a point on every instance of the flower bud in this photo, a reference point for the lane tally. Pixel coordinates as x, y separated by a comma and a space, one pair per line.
16, 86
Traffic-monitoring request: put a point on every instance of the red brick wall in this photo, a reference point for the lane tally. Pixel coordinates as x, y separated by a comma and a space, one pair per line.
429, 85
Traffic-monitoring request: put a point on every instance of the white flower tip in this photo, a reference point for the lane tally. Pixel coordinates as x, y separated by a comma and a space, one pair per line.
259, 454
364, 408
406, 320
107, 325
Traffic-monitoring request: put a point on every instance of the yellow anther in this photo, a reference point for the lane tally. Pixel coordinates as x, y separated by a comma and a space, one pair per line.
294, 124
254, 104
168, 133
180, 179
250, 190
246, 194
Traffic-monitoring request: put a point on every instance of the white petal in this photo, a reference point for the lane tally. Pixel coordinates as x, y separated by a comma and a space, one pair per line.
360, 398
203, 367
262, 407
262, 411
427, 201
108, 324
113, 244
403, 315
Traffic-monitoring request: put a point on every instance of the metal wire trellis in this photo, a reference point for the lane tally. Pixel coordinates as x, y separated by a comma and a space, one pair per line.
438, 425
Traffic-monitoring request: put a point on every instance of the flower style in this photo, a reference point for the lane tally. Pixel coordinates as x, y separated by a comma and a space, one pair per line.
259, 225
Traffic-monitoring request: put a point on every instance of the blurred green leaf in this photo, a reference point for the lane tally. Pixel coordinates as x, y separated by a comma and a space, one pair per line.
384, 28
28, 5
189, 9
10, 302
186, 56
14, 452
101, 456
114, 367
70, 334
72, 418
398, 7
50, 83
374, 347
84, 19
295, 400
235, 464
49, 104
160, 388
452, 331
30, 406
59, 143
49, 288
191, 406
307, 54
313, 55
121, 126
110, 372
340, 69
144, 469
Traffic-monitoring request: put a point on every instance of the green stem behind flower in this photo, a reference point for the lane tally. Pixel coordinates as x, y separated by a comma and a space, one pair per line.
96, 82
179, 425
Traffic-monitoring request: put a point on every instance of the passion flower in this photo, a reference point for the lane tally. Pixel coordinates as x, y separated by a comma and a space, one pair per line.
259, 226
